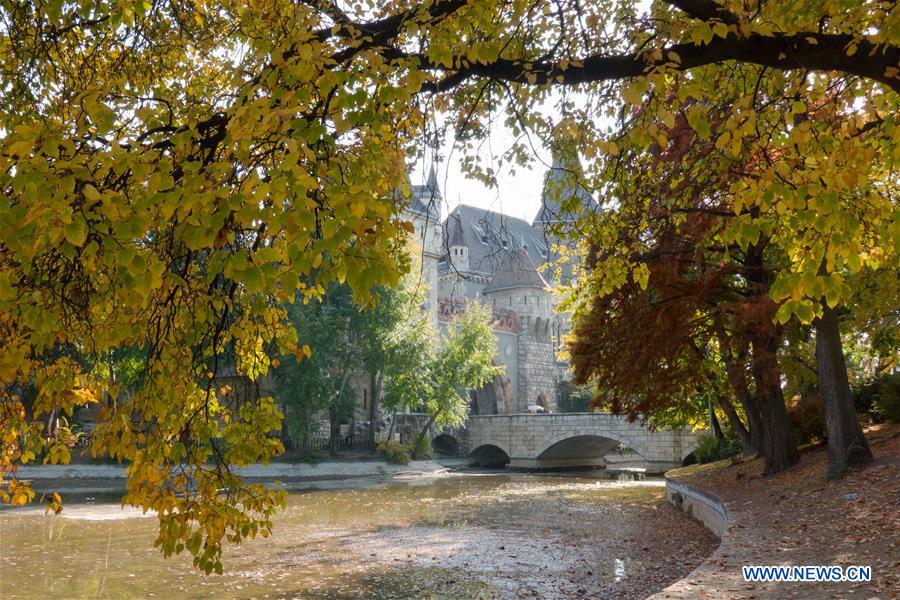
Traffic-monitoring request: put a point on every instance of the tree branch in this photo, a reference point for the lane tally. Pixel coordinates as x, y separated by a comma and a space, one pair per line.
812, 51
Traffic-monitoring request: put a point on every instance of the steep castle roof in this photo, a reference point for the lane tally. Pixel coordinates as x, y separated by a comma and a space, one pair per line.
426, 199
488, 235
515, 270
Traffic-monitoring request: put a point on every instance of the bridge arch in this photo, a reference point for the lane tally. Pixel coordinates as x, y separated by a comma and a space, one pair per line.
489, 455
447, 444
585, 447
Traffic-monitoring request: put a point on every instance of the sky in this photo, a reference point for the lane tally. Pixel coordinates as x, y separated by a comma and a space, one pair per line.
517, 195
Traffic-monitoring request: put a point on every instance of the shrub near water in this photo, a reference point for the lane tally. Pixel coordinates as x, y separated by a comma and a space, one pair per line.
394, 452
424, 448
711, 449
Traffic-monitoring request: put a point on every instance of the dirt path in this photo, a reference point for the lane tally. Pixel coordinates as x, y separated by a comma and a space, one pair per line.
800, 518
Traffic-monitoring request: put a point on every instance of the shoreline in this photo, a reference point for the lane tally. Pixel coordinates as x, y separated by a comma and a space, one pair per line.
330, 469
82, 479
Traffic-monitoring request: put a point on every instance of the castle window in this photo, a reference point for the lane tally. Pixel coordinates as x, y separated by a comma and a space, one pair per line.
525, 300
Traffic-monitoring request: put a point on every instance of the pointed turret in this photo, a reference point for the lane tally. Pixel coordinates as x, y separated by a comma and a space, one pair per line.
426, 199
431, 183
563, 196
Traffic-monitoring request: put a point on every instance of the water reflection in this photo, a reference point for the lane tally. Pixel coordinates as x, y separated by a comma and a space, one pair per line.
454, 536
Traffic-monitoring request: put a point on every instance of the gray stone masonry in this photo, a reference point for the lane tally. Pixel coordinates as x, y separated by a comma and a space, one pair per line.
545, 440
537, 373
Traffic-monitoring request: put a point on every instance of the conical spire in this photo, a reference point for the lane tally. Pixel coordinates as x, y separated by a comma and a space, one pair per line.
562, 193
426, 199
431, 183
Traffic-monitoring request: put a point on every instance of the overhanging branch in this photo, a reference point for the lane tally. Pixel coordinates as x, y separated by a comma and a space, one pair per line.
812, 51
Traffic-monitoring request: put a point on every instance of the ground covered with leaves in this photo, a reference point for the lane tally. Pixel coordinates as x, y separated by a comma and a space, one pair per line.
798, 517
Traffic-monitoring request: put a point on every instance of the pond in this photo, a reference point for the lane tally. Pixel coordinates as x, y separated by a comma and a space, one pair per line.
447, 536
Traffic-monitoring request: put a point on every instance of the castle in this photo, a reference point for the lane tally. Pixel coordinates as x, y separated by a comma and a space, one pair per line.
505, 263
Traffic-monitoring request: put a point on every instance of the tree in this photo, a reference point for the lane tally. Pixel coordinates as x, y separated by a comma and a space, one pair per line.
697, 304
437, 380
318, 377
173, 172
342, 337
391, 329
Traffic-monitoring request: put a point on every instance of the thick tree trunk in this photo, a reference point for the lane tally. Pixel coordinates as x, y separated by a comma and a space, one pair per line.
778, 443
847, 445
779, 448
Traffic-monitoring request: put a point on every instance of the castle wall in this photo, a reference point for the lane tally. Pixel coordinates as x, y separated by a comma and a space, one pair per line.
537, 371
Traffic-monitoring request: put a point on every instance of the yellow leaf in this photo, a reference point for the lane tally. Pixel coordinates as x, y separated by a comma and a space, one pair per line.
76, 231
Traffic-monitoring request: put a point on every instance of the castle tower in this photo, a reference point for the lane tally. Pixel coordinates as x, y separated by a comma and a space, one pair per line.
519, 287
423, 211
457, 248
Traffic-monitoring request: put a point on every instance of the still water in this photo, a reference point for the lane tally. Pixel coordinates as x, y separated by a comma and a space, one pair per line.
446, 536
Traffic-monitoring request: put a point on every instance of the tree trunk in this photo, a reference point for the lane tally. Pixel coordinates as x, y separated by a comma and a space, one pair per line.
754, 421
737, 378
717, 428
847, 445
778, 443
334, 413
334, 426
390, 435
421, 438
374, 406
736, 424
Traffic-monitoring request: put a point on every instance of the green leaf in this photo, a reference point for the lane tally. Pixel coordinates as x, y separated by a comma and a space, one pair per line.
76, 232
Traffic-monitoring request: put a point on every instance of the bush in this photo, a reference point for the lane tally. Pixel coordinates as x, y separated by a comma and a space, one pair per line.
886, 406
711, 449
807, 415
394, 452
424, 449
880, 398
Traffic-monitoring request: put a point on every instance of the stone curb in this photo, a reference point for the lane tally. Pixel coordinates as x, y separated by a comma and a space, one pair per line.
710, 510
707, 508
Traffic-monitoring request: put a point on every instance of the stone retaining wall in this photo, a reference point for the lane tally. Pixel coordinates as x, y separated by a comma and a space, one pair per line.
703, 506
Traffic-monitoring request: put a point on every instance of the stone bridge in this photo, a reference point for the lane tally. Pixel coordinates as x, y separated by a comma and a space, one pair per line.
535, 441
